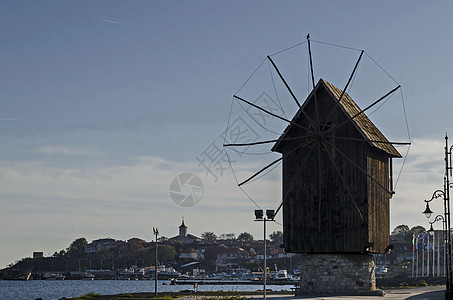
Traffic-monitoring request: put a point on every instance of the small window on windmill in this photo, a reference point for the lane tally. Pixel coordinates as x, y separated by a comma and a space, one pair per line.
325, 126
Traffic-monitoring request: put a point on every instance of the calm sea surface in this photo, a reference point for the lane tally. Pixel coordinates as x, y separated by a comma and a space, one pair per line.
56, 289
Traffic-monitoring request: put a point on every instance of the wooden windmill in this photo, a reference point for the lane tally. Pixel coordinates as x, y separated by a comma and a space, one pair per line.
337, 185
336, 177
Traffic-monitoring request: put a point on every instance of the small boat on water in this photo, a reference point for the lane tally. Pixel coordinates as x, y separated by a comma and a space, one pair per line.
164, 272
281, 275
17, 275
168, 273
87, 276
54, 276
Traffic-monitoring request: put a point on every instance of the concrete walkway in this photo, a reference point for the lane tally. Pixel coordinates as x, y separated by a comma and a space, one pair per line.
419, 293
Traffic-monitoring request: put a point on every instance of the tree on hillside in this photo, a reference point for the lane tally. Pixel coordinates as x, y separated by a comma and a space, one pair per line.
230, 236
276, 237
402, 232
245, 237
58, 254
209, 236
227, 236
77, 248
166, 253
163, 239
417, 229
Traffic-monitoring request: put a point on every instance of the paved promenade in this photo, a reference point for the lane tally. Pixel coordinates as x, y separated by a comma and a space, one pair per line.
420, 293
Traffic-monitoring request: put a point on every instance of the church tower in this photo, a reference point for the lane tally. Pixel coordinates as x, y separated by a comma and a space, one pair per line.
182, 230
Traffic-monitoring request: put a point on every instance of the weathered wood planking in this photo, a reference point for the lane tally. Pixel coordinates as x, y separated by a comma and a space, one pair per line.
335, 182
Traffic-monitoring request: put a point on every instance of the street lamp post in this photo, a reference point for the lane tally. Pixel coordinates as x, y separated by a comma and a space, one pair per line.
445, 193
156, 233
259, 216
448, 173
438, 194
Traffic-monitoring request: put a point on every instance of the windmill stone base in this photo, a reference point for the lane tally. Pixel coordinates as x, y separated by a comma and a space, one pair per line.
338, 274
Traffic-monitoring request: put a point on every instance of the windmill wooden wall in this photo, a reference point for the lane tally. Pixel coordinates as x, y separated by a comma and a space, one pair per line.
330, 205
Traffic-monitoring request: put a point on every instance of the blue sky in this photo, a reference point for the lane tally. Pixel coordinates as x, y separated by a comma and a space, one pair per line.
103, 103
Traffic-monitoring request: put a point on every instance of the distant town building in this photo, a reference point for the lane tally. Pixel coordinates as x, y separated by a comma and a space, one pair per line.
38, 254
96, 245
183, 236
189, 253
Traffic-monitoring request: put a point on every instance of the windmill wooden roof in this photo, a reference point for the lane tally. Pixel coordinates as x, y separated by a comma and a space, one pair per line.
364, 125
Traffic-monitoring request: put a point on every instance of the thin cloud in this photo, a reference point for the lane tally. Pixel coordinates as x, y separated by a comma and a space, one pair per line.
72, 151
111, 21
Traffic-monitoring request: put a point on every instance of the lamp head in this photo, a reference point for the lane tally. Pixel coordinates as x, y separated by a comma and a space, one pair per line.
428, 211
431, 229
270, 214
259, 214
388, 249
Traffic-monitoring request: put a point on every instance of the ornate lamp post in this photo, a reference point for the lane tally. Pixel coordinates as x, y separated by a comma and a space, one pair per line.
445, 193
259, 216
438, 194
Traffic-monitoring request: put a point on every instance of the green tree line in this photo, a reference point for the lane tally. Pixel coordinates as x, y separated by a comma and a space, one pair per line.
405, 233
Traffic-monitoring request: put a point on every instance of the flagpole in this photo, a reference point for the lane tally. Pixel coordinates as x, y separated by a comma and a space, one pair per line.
416, 265
427, 255
423, 255
438, 256
413, 255
434, 253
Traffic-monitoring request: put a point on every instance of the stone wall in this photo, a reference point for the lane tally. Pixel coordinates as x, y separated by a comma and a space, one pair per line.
338, 274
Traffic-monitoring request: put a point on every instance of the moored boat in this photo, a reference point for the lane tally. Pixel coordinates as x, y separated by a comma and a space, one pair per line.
17, 275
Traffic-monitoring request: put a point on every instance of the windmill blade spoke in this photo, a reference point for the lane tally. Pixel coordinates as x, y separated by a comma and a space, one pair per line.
359, 168
311, 62
250, 144
376, 102
278, 208
262, 109
270, 113
393, 143
291, 92
274, 162
347, 84
265, 142
334, 128
261, 171
284, 81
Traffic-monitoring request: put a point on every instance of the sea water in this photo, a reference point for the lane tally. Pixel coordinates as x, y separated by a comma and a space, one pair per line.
57, 289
